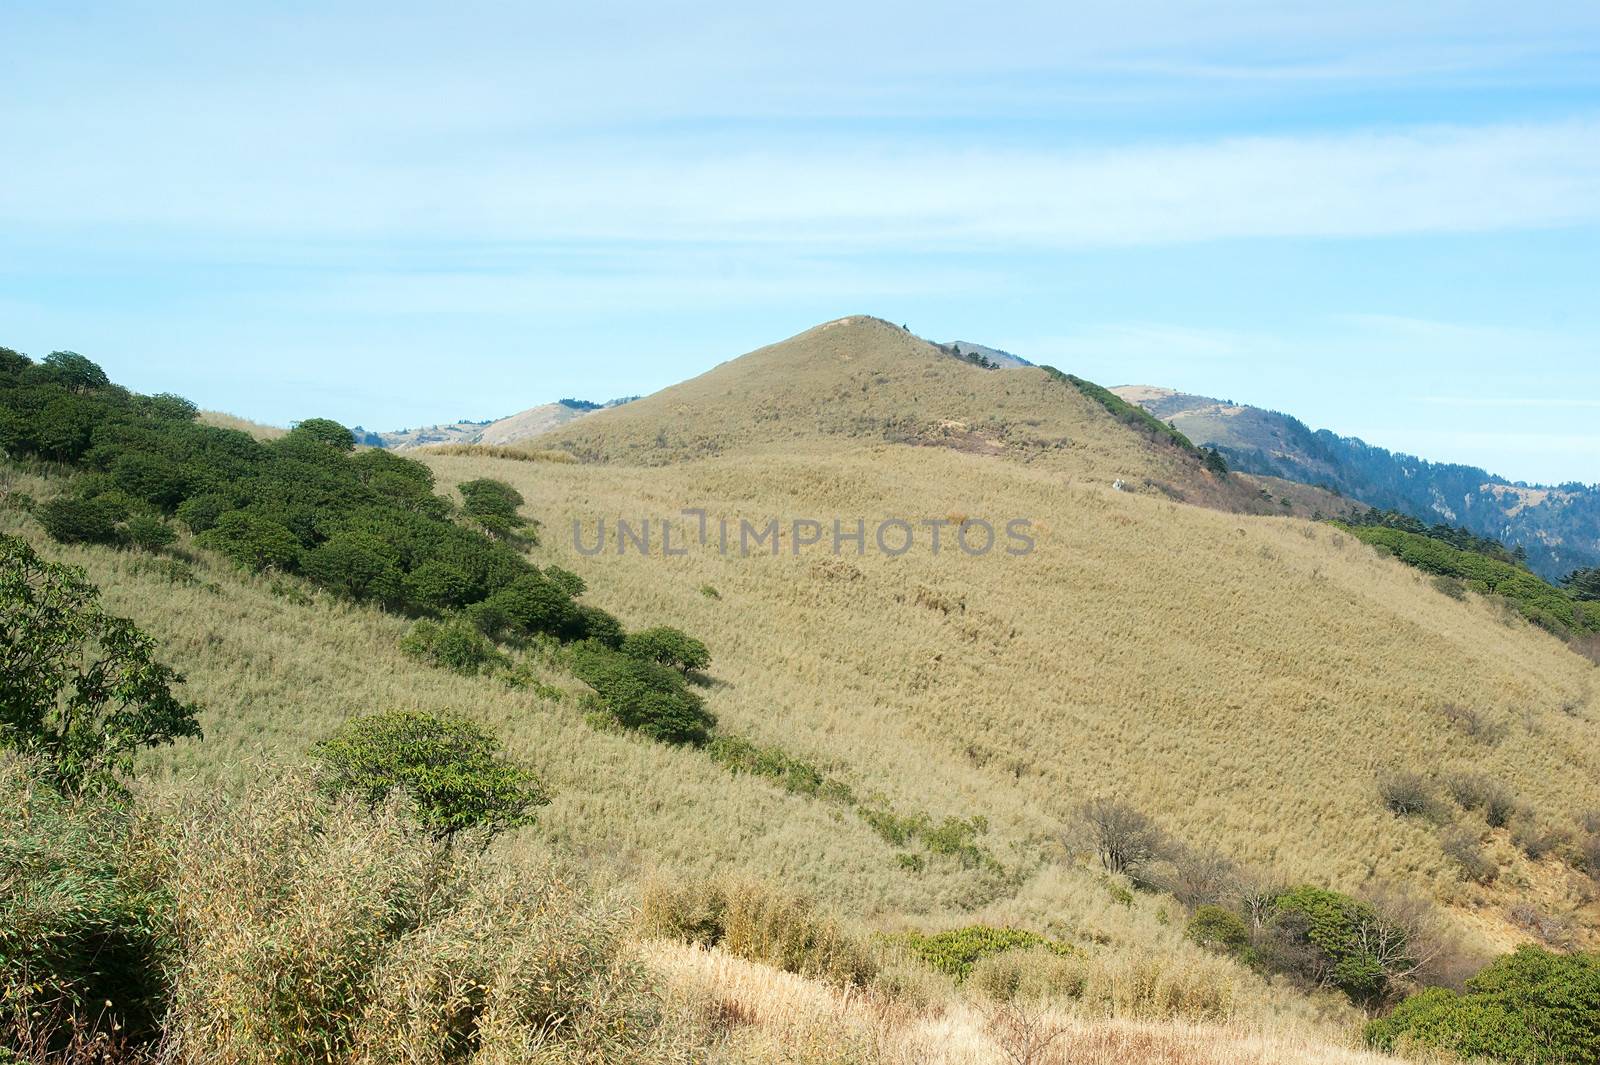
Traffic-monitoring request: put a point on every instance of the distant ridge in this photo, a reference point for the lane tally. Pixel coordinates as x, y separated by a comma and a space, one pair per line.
1558, 526
499, 431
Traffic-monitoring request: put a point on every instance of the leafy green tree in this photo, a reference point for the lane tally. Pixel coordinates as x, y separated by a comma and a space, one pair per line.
452, 770
1532, 1007
643, 696
149, 532
454, 645
534, 605
80, 689
73, 371
437, 585
492, 504
252, 541
566, 580
1583, 583
1218, 928
667, 646
1335, 940
327, 431
356, 566
75, 520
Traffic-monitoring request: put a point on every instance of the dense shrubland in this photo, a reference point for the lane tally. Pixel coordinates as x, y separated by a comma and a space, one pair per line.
1546, 605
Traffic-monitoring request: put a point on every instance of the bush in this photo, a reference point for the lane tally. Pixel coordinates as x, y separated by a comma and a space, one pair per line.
1533, 837
356, 566
251, 541
1334, 940
533, 605
82, 920
1530, 1007
669, 647
759, 923
384, 947
1474, 791
1218, 928
1406, 794
1462, 847
454, 645
492, 504
1124, 839
80, 689
956, 951
451, 770
150, 533
71, 520
643, 696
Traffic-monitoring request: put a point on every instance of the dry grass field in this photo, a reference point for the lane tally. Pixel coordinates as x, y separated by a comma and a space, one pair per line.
1243, 679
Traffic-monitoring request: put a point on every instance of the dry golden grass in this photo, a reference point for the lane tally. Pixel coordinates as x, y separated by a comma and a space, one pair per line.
230, 421
499, 451
862, 379
768, 1016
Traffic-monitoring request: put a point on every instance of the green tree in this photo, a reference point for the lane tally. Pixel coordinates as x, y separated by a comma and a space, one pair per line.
327, 431
74, 371
452, 770
492, 504
643, 696
1530, 1007
667, 646
252, 541
80, 689
1583, 583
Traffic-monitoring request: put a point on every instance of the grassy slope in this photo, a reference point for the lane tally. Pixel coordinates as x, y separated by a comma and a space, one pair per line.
864, 380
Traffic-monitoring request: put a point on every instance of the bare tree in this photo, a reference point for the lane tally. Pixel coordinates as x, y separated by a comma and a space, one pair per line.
1024, 1030
1197, 877
1123, 838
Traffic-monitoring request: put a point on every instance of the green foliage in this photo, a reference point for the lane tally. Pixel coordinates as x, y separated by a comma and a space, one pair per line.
1339, 941
1536, 599
668, 646
452, 770
492, 504
150, 533
253, 542
1218, 928
739, 755
1530, 1007
453, 644
566, 580
533, 605
643, 696
80, 924
75, 520
1583, 583
326, 431
955, 952
80, 689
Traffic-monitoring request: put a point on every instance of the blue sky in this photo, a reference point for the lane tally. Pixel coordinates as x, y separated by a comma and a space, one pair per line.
1386, 222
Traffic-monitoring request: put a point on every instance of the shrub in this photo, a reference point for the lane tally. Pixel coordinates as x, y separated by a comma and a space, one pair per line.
437, 585
356, 566
80, 689
326, 431
760, 923
81, 922
1474, 791
451, 770
1534, 837
669, 647
1028, 974
1218, 928
1529, 1007
72, 520
1196, 877
739, 755
956, 951
150, 533
493, 505
1453, 587
454, 645
251, 541
643, 696
200, 512
1123, 838
384, 947
1406, 794
566, 580
1462, 847
1334, 940
533, 604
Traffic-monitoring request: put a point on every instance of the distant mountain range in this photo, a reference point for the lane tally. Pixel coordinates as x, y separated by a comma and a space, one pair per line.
508, 430
1558, 526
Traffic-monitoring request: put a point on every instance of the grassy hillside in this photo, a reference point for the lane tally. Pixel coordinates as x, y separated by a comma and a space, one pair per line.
1256, 685
864, 380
